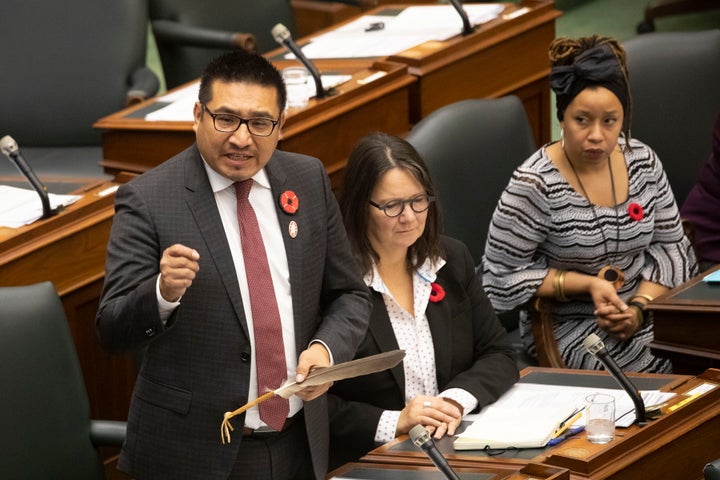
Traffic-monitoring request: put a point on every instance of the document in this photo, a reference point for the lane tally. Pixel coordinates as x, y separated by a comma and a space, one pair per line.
528, 415
178, 106
414, 25
19, 206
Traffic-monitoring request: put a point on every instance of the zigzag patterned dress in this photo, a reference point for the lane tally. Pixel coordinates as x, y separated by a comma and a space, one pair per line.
541, 222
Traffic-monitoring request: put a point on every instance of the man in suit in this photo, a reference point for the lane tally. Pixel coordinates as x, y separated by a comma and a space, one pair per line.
179, 284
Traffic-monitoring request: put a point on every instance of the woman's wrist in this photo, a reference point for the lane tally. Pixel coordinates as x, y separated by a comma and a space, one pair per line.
640, 312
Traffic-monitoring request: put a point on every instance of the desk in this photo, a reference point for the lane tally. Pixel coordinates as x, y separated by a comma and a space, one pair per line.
674, 446
687, 325
326, 128
69, 250
504, 56
369, 471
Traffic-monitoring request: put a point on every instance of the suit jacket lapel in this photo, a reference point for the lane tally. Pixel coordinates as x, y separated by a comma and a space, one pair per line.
201, 202
381, 331
438, 315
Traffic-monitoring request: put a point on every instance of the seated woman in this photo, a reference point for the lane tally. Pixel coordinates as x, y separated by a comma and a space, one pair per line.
702, 207
427, 300
589, 223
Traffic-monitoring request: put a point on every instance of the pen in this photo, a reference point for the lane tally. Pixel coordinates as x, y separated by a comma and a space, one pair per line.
567, 423
569, 433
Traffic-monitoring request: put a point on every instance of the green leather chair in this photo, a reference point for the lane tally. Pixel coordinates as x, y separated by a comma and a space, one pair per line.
189, 34
44, 409
674, 80
65, 65
471, 148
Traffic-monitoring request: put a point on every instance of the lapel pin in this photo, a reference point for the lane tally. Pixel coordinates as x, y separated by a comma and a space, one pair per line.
289, 202
293, 229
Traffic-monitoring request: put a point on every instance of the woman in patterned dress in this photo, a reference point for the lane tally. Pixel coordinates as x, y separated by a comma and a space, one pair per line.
427, 300
589, 223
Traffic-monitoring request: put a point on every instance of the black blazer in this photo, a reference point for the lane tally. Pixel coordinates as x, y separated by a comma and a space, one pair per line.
197, 366
471, 352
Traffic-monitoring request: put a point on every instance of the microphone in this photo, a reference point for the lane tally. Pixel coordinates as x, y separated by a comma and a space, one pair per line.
597, 349
9, 148
281, 34
467, 28
421, 438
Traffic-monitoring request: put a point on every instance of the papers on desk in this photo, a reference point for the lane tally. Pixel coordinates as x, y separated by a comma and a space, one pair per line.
180, 103
713, 277
528, 414
19, 206
412, 26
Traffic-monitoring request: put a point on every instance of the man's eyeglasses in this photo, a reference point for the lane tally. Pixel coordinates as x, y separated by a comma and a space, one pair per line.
229, 123
418, 204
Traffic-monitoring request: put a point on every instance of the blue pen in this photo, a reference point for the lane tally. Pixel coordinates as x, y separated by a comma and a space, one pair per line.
569, 433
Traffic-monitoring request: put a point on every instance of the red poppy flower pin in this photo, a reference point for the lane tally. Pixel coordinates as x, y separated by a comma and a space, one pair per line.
436, 293
289, 202
636, 211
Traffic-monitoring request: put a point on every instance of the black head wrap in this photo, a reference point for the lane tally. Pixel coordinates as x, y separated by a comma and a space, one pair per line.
596, 66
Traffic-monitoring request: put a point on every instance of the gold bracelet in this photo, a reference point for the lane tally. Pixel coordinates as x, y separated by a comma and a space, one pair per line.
643, 295
559, 286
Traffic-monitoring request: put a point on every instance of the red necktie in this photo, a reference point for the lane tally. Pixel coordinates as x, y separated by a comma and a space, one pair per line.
269, 350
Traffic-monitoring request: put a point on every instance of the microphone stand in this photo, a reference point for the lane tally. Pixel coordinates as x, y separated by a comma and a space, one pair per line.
467, 27
10, 149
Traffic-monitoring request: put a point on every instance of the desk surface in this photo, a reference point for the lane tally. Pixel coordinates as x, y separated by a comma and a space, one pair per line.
672, 446
384, 471
418, 81
326, 128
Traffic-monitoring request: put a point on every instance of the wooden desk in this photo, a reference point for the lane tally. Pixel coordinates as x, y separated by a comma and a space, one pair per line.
675, 446
326, 129
506, 56
369, 471
69, 250
687, 325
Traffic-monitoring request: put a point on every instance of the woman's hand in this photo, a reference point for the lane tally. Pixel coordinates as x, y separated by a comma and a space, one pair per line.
438, 415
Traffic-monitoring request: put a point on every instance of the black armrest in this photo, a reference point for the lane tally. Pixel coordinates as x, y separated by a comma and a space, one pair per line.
105, 433
167, 31
143, 85
712, 470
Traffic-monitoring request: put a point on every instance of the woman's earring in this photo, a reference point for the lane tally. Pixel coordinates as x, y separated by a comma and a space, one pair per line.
562, 137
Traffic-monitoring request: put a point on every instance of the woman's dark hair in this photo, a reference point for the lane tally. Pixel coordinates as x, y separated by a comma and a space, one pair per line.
371, 157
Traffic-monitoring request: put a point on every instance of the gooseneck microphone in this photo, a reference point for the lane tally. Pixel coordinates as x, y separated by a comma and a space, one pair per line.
10, 149
597, 349
421, 438
282, 35
467, 27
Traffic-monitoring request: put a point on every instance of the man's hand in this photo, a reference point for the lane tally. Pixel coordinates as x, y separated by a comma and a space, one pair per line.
314, 357
178, 267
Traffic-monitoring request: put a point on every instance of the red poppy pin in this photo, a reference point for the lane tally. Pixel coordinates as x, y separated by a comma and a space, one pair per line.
289, 202
636, 211
436, 293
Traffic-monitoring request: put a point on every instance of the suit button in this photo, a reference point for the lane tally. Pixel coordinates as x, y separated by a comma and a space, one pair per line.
245, 357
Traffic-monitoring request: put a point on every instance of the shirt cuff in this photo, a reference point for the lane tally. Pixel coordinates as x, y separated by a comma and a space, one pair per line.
332, 360
463, 397
387, 426
164, 307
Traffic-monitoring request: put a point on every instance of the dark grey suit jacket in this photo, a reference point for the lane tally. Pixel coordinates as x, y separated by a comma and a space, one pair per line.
197, 366
471, 352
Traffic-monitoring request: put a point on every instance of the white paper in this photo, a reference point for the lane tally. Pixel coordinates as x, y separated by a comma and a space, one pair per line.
19, 206
181, 103
413, 26
524, 397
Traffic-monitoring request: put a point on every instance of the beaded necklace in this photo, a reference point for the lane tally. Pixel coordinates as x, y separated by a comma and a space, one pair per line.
610, 273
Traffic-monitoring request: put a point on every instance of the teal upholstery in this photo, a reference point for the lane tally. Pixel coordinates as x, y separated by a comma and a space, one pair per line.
47, 431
